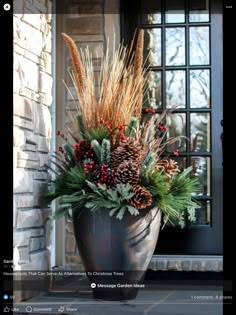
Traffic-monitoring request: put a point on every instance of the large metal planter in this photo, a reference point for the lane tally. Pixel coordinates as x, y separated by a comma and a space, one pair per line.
116, 253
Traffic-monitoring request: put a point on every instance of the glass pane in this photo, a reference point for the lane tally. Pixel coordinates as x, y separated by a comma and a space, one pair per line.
176, 127
203, 214
175, 46
151, 11
198, 11
154, 90
174, 11
200, 88
152, 44
199, 45
202, 169
175, 89
200, 131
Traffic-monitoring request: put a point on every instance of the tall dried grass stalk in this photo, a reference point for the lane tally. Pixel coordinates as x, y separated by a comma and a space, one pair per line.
76, 62
138, 63
115, 96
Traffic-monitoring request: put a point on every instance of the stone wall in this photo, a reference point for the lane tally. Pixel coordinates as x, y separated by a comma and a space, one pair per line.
32, 132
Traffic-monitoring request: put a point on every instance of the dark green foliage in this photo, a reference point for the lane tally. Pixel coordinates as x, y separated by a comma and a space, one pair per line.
106, 152
114, 200
132, 128
67, 183
81, 128
148, 162
97, 133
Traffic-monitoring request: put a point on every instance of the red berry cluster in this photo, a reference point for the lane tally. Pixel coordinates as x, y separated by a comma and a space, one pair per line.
176, 152
163, 127
150, 110
88, 167
61, 149
61, 134
104, 175
83, 150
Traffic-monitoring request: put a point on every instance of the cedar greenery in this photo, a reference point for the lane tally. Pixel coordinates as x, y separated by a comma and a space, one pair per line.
115, 159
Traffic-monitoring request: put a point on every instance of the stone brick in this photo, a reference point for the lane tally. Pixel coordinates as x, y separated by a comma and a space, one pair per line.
47, 45
43, 144
14, 211
84, 9
46, 61
29, 93
89, 25
44, 159
36, 243
42, 120
41, 175
25, 201
15, 153
70, 244
29, 218
27, 36
22, 238
69, 227
27, 156
23, 181
28, 72
19, 51
18, 137
33, 20
48, 232
23, 255
73, 259
174, 265
38, 261
45, 83
31, 137
30, 147
18, 8
39, 188
27, 164
40, 5
21, 122
16, 82
45, 99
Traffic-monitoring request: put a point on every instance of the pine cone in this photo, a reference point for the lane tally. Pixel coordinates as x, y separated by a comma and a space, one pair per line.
170, 167
128, 150
127, 172
141, 199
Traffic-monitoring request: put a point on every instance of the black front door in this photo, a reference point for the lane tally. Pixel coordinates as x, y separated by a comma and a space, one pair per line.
183, 40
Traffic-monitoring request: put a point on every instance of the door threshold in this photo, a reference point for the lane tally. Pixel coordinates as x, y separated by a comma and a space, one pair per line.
187, 263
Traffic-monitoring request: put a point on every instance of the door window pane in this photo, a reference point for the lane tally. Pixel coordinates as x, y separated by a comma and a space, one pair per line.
174, 11
176, 127
200, 132
175, 89
200, 88
152, 44
175, 46
198, 11
199, 45
203, 214
202, 168
154, 90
